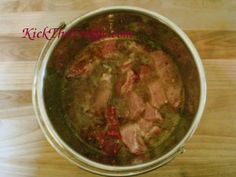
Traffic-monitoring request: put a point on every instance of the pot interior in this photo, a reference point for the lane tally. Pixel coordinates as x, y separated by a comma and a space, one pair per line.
60, 92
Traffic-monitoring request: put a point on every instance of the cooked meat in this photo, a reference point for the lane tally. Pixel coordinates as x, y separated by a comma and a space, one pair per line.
136, 105
148, 122
152, 114
144, 72
124, 90
103, 93
131, 137
131, 78
107, 48
158, 95
145, 126
169, 77
81, 67
155, 131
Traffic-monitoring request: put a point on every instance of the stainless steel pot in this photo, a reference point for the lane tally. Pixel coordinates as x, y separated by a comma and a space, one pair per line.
58, 134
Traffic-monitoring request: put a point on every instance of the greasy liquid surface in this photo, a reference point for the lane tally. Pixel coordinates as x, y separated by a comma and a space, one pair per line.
123, 100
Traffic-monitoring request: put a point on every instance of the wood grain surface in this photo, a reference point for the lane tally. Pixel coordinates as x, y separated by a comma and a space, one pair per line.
211, 24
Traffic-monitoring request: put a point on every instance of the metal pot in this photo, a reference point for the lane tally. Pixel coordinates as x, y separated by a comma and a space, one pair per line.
46, 95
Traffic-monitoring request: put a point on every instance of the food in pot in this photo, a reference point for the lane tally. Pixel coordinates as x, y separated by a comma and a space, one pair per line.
123, 99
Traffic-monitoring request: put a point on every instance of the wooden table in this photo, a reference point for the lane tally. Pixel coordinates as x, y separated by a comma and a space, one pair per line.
211, 24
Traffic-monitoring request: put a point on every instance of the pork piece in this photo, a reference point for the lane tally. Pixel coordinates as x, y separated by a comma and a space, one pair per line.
126, 65
152, 114
117, 86
128, 78
133, 134
148, 128
103, 93
81, 68
131, 137
131, 79
169, 76
155, 131
157, 92
136, 48
148, 122
136, 105
144, 72
107, 48
145, 126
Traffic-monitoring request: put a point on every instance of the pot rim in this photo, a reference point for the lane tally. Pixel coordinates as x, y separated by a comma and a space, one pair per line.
83, 162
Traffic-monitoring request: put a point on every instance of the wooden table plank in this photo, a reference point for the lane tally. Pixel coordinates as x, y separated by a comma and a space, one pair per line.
211, 151
16, 75
214, 44
20, 49
55, 5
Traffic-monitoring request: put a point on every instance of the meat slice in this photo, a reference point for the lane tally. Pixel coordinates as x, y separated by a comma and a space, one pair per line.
160, 59
131, 137
148, 128
127, 79
126, 65
158, 96
155, 131
173, 86
145, 126
131, 78
136, 105
169, 76
103, 93
108, 48
134, 46
148, 123
144, 72
152, 114
82, 66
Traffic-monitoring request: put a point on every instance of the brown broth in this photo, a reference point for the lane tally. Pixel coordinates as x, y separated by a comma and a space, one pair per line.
81, 72
106, 71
